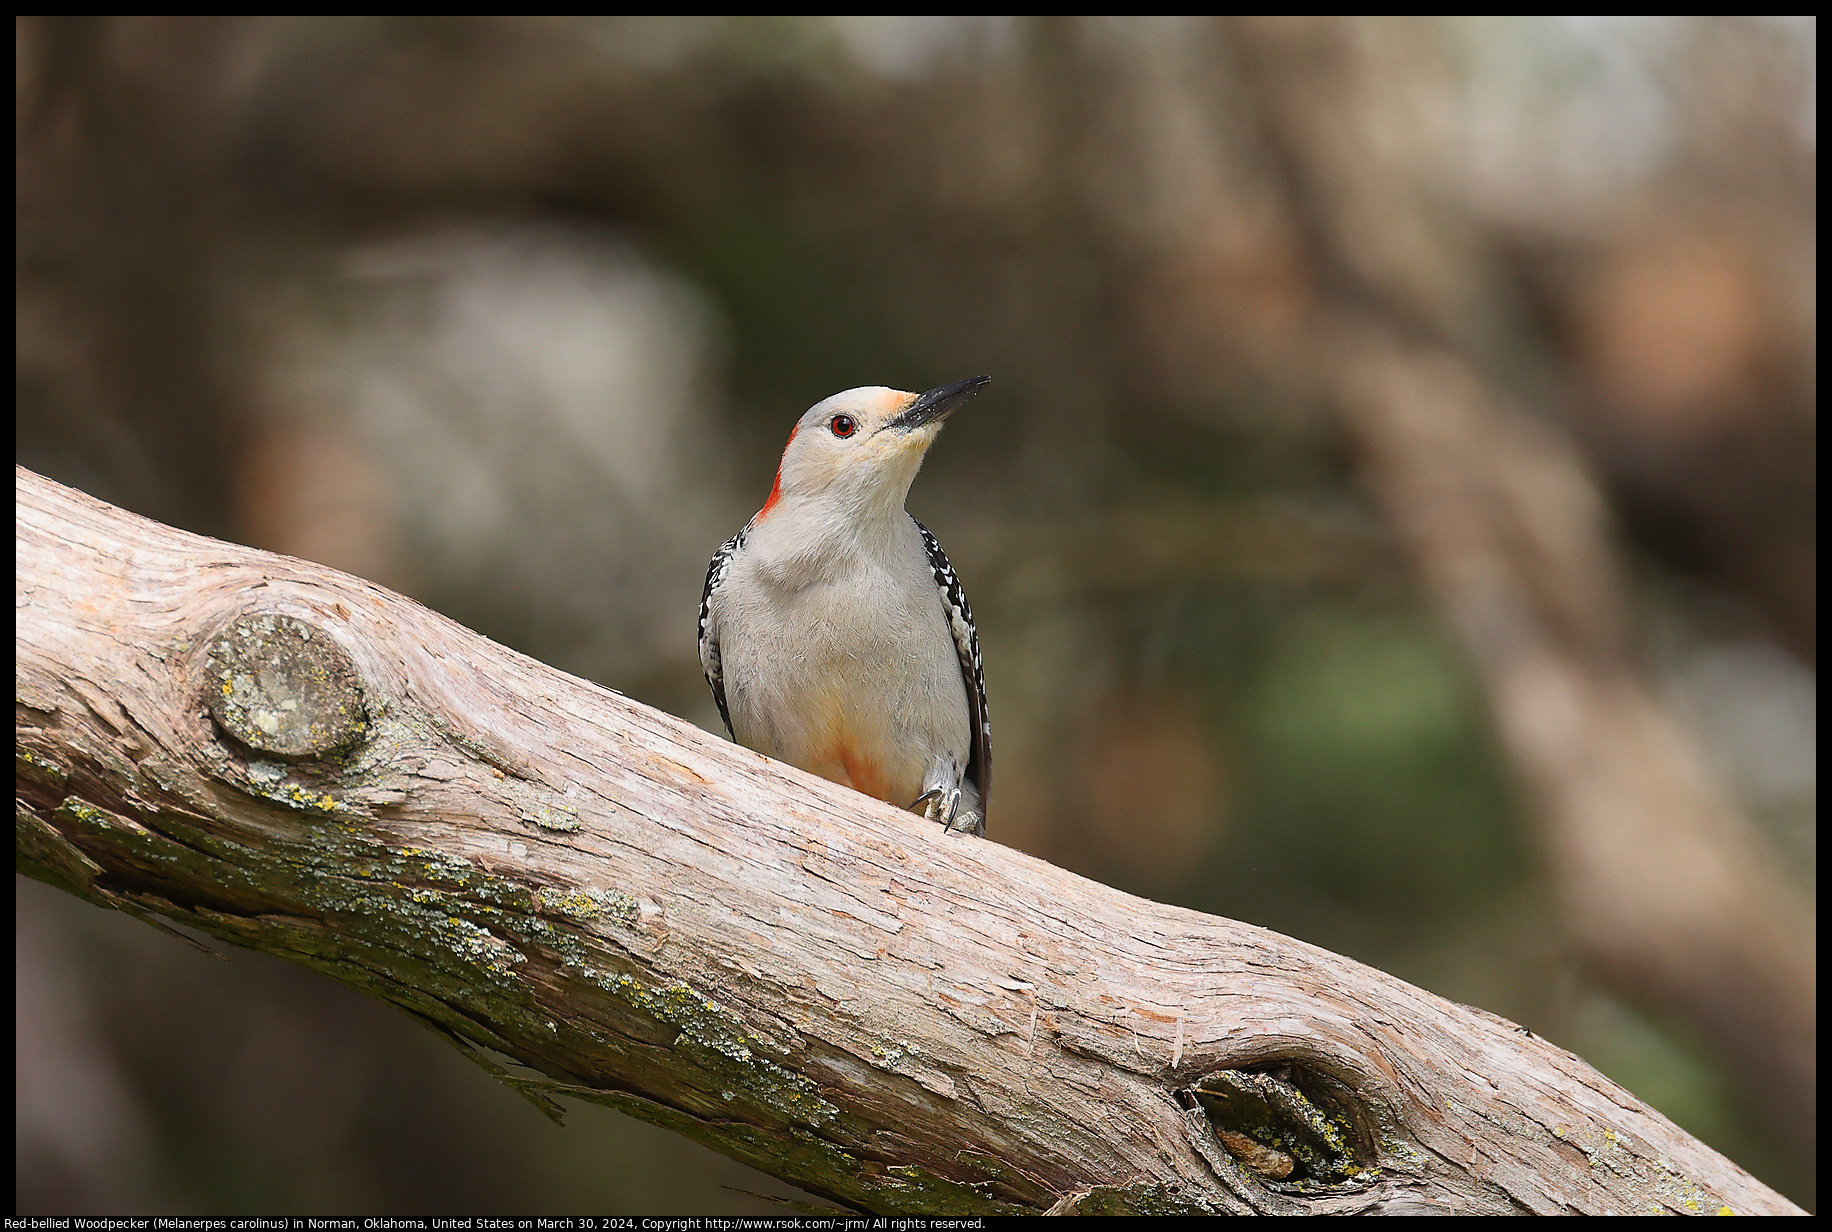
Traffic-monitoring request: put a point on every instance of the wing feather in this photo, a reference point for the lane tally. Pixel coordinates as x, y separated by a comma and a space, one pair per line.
710, 662
967, 646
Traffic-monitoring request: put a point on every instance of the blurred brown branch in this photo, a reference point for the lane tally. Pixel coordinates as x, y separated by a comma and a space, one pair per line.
292, 760
1667, 887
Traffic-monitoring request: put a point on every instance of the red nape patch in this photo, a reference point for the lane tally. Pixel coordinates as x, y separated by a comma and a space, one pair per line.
776, 488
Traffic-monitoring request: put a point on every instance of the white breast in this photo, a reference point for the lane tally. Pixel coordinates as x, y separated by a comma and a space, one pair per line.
840, 660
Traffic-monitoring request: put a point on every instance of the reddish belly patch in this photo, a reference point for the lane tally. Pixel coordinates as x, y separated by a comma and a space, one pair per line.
863, 774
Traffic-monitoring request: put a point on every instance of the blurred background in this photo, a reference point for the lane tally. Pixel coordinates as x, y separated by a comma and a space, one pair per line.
1391, 522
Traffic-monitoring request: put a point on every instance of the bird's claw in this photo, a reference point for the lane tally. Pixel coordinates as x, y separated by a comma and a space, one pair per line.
944, 805
937, 804
969, 821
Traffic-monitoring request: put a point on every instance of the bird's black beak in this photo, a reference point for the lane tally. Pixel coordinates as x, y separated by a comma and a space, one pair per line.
938, 403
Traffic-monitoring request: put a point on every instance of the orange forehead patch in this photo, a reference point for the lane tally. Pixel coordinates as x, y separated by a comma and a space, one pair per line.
893, 400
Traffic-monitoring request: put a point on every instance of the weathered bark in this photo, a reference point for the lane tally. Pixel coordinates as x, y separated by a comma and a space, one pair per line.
290, 759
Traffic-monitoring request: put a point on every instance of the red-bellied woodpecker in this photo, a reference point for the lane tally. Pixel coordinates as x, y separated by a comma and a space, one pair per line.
833, 631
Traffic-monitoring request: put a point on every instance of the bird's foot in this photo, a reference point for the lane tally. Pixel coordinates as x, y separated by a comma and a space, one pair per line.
969, 821
937, 804
944, 805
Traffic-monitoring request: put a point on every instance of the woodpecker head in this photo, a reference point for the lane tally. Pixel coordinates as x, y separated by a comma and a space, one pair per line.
861, 449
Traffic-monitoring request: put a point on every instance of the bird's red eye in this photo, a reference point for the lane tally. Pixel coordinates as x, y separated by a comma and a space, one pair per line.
843, 425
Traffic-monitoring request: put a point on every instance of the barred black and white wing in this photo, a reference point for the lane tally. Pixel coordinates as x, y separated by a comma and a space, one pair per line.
709, 637
967, 646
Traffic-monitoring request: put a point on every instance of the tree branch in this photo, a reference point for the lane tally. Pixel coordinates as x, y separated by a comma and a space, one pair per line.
645, 916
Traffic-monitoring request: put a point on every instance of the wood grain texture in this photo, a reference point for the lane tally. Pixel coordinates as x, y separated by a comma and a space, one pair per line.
632, 911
